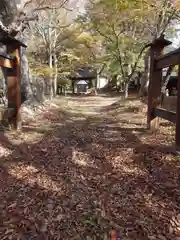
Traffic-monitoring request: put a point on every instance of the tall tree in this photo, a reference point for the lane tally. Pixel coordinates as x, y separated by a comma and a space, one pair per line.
14, 18
49, 29
121, 31
127, 28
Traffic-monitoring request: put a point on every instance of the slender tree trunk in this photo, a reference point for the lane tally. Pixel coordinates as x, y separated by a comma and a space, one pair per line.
166, 79
126, 92
98, 81
73, 90
165, 83
55, 76
51, 77
145, 77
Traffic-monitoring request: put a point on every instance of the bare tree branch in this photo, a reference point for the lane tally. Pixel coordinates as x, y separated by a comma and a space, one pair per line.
138, 58
102, 34
40, 8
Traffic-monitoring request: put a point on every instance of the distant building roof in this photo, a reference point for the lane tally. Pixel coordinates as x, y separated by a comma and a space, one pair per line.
84, 73
81, 82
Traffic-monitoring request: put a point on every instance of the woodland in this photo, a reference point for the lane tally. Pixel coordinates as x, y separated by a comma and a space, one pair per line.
86, 166
111, 36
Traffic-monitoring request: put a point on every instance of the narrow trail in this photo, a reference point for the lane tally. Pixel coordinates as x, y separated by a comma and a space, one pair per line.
91, 168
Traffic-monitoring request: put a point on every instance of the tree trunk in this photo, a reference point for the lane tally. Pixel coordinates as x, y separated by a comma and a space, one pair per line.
73, 90
51, 77
98, 81
55, 76
166, 80
145, 77
8, 11
26, 77
126, 90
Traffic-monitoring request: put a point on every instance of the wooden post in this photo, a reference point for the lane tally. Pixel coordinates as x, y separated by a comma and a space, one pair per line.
14, 88
155, 79
178, 113
73, 91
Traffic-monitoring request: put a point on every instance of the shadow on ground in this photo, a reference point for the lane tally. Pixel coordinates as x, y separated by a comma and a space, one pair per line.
88, 176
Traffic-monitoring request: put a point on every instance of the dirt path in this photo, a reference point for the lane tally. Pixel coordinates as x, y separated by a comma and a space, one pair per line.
87, 167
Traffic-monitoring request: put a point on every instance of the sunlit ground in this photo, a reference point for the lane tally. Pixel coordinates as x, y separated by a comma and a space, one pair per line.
85, 168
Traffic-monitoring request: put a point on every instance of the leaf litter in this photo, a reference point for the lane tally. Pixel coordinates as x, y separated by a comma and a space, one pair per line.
78, 176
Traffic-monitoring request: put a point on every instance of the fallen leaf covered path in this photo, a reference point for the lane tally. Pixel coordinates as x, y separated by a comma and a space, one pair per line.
86, 167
